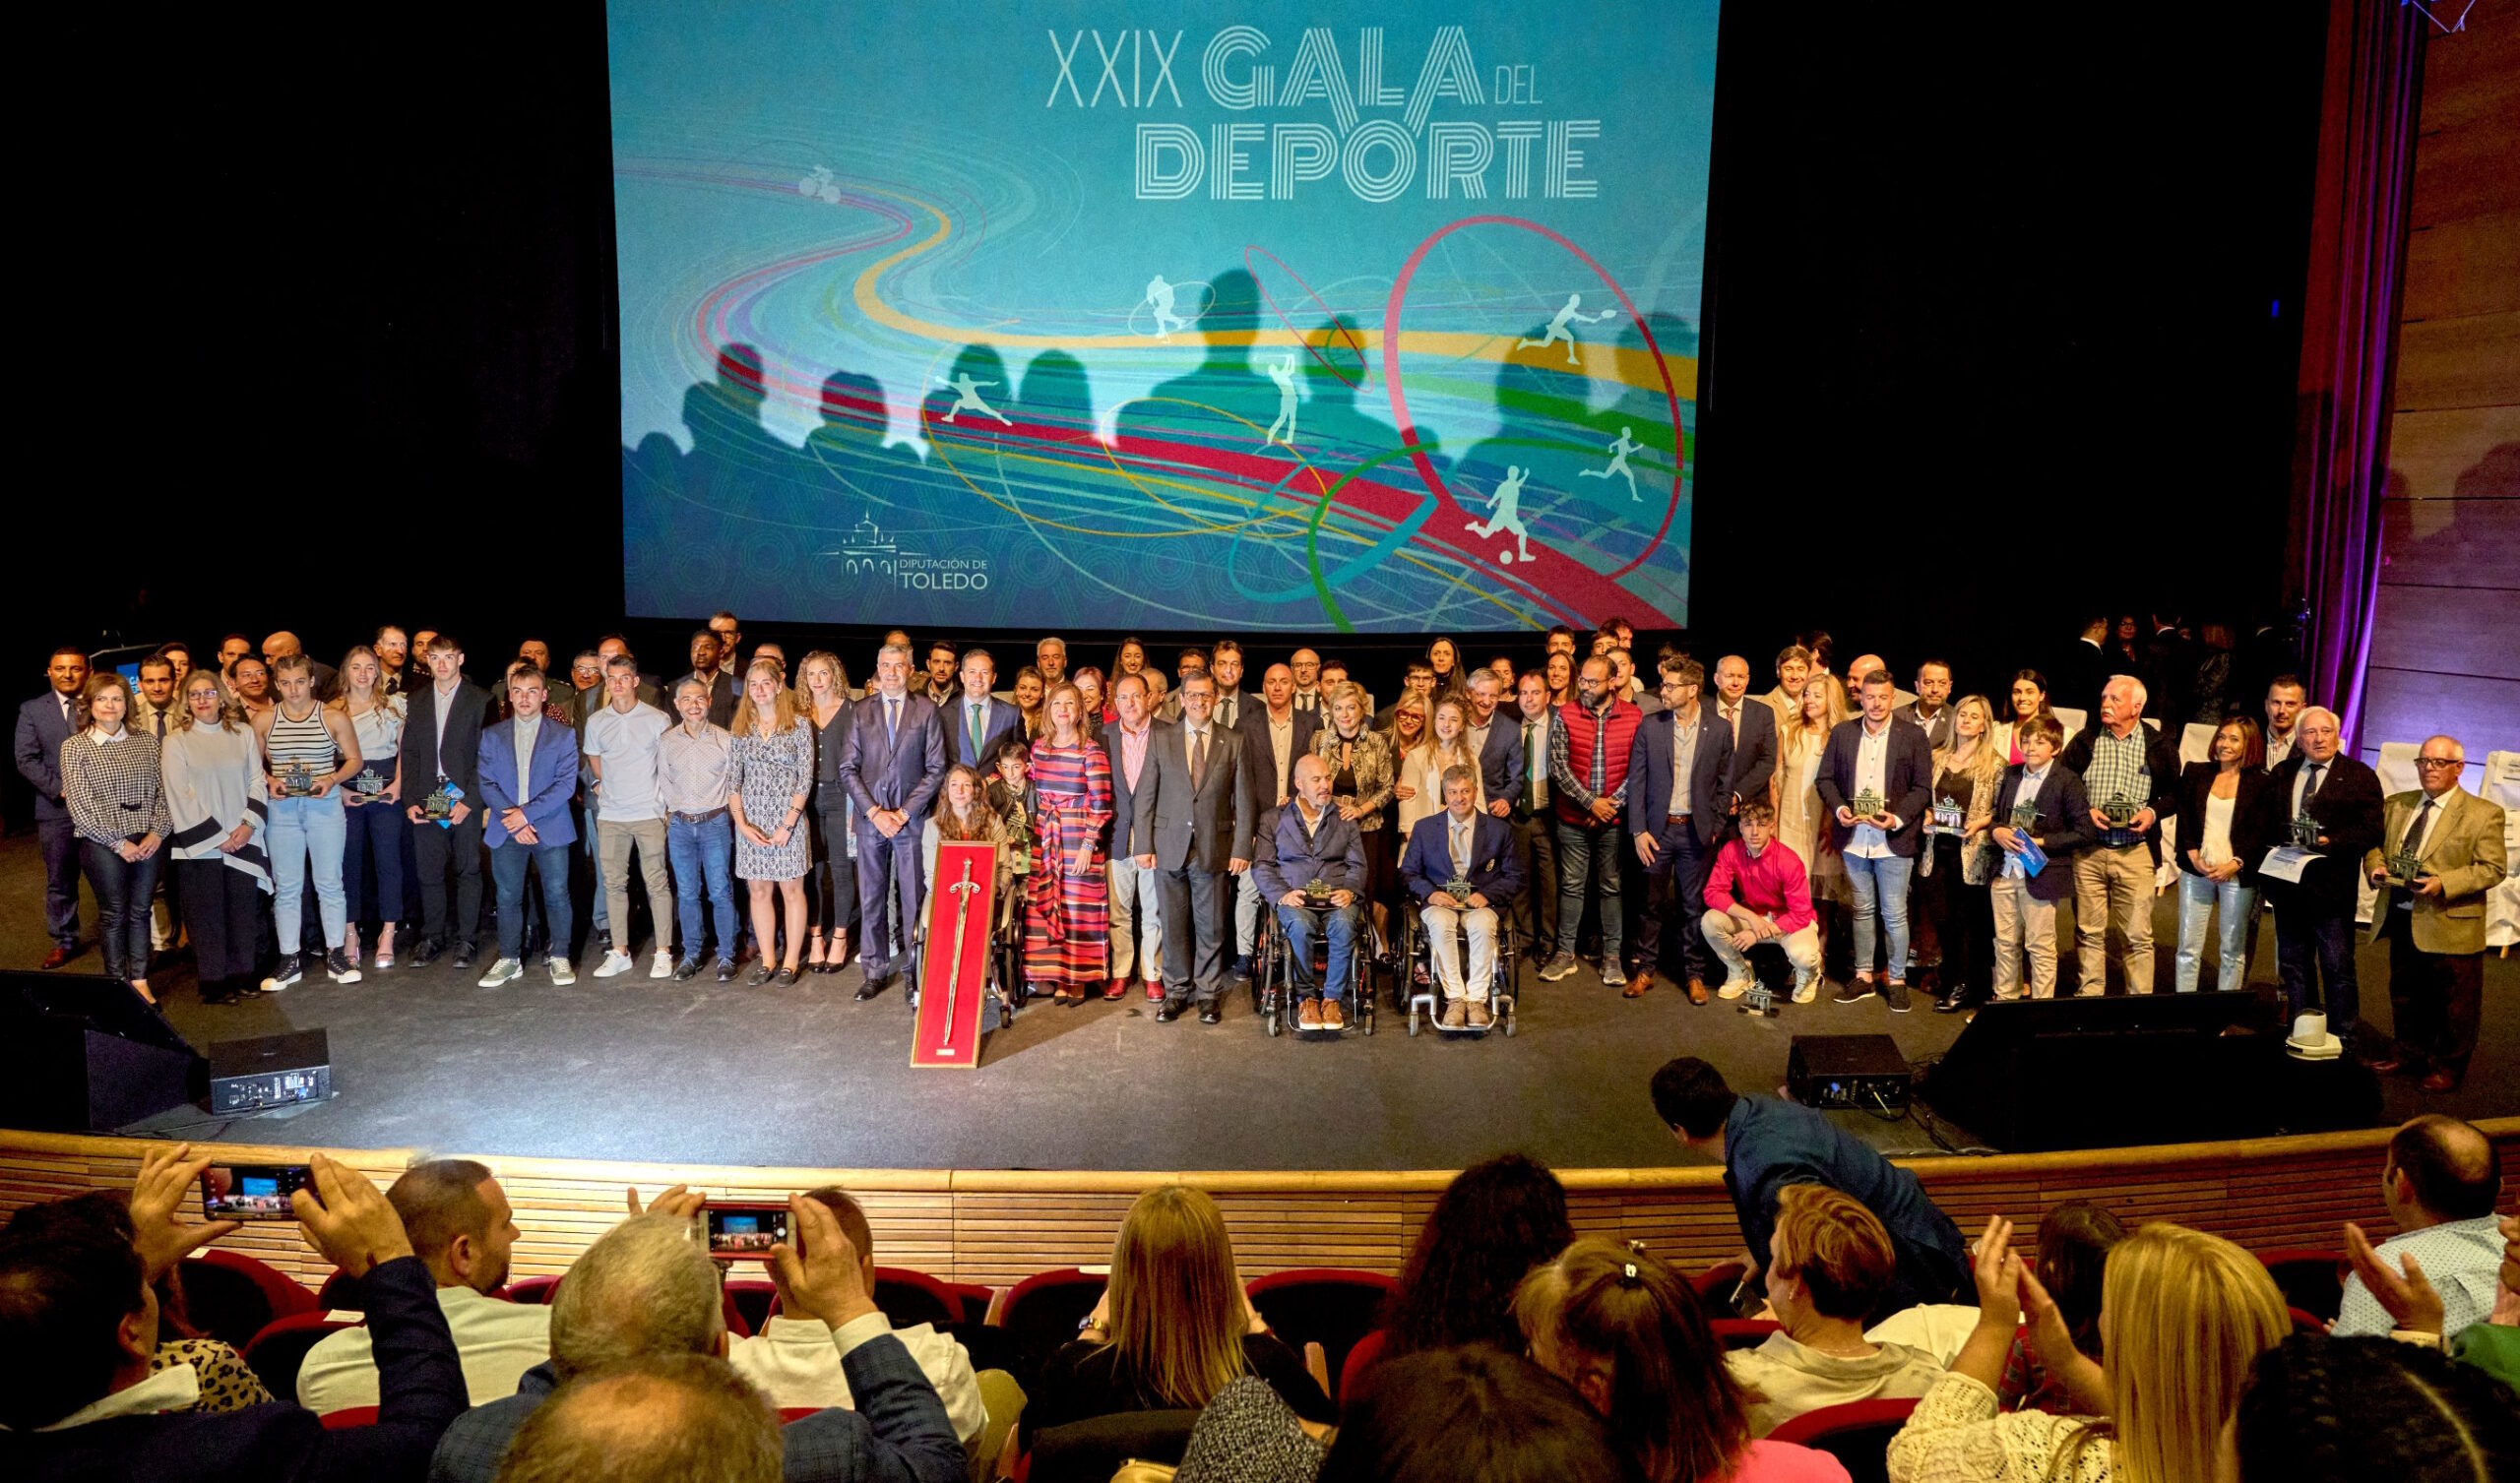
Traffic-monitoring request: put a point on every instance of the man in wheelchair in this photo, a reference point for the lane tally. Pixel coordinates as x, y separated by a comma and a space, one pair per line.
1462, 869
1314, 877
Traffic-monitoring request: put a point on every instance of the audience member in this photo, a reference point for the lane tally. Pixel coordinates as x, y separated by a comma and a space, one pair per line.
2439, 1184
660, 1418
2322, 1410
1171, 1328
2224, 810
1766, 1144
795, 1362
464, 1231
2331, 806
646, 1288
2183, 1317
1492, 1224
2130, 783
2074, 1242
1625, 1330
1828, 1263
80, 1295
1474, 1415
2434, 918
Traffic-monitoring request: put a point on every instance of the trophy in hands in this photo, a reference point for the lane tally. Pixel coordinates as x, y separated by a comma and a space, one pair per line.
1316, 893
296, 780
438, 807
1867, 805
2306, 831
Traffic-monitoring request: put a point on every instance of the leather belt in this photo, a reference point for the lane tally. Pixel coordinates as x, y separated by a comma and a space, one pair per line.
678, 816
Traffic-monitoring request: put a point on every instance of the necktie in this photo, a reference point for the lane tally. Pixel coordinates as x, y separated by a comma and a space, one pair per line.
2310, 789
892, 719
2415, 833
1461, 849
1531, 759
975, 732
1198, 755
1733, 719
159, 720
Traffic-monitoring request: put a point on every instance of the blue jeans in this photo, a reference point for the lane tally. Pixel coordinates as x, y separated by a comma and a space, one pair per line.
1584, 853
301, 829
508, 864
1880, 889
1340, 924
2197, 898
703, 856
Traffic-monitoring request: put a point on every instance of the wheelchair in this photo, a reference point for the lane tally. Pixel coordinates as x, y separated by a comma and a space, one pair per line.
1420, 989
1273, 976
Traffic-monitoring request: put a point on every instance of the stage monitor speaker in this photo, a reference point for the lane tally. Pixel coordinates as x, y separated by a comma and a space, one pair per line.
88, 1053
2044, 1074
269, 1071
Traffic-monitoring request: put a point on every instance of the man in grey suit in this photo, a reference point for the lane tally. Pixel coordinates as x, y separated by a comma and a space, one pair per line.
44, 724
1194, 825
1136, 896
892, 765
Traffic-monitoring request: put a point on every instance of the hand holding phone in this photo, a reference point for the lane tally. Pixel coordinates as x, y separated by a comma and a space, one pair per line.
252, 1192
744, 1232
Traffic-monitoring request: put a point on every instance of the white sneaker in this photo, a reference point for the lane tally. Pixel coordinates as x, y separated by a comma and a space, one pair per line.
614, 965
1734, 988
662, 968
1805, 990
505, 970
565, 973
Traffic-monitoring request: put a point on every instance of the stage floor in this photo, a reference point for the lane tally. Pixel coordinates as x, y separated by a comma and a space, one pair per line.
632, 1069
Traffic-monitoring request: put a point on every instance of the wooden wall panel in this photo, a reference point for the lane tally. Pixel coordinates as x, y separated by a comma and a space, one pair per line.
997, 1227
2472, 360
2451, 454
2467, 266
2445, 631
2452, 544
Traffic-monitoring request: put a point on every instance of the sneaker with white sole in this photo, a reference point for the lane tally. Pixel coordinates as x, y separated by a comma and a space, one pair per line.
1854, 993
288, 970
1557, 968
1805, 990
614, 965
565, 973
343, 968
505, 970
662, 968
1734, 988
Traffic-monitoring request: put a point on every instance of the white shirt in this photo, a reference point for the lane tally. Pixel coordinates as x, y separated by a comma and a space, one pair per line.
2461, 1257
796, 1362
445, 708
2302, 781
496, 1341
1683, 761
177, 1387
1871, 773
2028, 792
626, 746
2278, 748
1282, 744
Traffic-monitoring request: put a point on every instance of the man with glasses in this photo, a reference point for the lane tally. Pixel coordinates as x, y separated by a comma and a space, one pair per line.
2441, 849
1592, 746
1677, 806
2332, 809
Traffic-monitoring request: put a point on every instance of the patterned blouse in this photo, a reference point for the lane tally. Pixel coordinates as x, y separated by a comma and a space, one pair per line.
1957, 1436
1375, 765
111, 786
228, 1382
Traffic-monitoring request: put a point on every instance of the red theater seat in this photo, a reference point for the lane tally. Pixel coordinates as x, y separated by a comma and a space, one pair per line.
1745, 1334
1041, 1312
1333, 1307
1362, 1358
2312, 1279
337, 1421
278, 1352
232, 1296
909, 1297
532, 1290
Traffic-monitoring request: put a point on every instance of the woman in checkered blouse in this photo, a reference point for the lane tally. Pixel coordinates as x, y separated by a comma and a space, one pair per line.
109, 782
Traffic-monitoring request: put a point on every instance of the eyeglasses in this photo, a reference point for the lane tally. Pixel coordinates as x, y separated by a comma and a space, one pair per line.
2441, 761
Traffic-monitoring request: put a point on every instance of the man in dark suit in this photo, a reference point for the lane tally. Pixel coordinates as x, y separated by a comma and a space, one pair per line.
722, 685
529, 769
442, 745
1752, 727
82, 1324
2315, 915
1135, 894
1767, 1145
1192, 825
1312, 843
893, 764
44, 724
1878, 755
1275, 733
2075, 678
1533, 813
2041, 804
2170, 688
648, 1291
1678, 804
1495, 741
975, 720
1466, 846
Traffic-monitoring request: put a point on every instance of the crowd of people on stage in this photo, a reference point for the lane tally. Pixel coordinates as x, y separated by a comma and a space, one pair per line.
1149, 827
1512, 1348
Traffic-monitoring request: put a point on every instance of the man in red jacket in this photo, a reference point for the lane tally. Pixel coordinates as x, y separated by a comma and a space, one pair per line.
1587, 756
1759, 892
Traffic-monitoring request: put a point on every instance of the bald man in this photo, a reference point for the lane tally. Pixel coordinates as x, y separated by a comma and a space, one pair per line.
2434, 917
282, 644
2439, 1182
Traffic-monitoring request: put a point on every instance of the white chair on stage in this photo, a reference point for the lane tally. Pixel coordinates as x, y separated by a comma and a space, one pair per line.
2195, 744
2501, 784
2074, 721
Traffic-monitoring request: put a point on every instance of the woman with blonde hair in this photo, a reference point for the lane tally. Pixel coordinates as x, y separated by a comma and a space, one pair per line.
371, 804
1419, 786
217, 805
830, 880
768, 776
1795, 790
1173, 1327
2183, 1317
1360, 778
1960, 858
1629, 1333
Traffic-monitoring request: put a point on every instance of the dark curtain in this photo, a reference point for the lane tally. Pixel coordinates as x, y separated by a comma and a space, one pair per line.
2368, 124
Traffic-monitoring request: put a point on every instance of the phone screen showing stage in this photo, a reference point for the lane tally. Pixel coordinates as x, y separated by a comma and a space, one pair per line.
745, 1231
251, 1192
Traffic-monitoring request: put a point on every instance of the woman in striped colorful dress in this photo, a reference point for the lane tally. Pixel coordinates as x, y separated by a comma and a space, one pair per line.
1067, 915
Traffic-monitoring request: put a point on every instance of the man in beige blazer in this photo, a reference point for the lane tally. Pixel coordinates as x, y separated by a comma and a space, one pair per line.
2434, 922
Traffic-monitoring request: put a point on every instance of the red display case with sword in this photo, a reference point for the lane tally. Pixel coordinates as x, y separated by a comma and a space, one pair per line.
955, 975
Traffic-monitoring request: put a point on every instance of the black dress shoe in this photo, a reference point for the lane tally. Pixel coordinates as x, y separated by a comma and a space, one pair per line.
1169, 1012
726, 970
869, 989
1209, 1014
425, 954
464, 954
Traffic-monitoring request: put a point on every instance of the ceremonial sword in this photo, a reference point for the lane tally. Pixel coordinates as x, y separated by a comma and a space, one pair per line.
954, 970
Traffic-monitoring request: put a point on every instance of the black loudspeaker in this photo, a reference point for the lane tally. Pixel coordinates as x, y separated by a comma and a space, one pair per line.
2039, 1074
88, 1053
